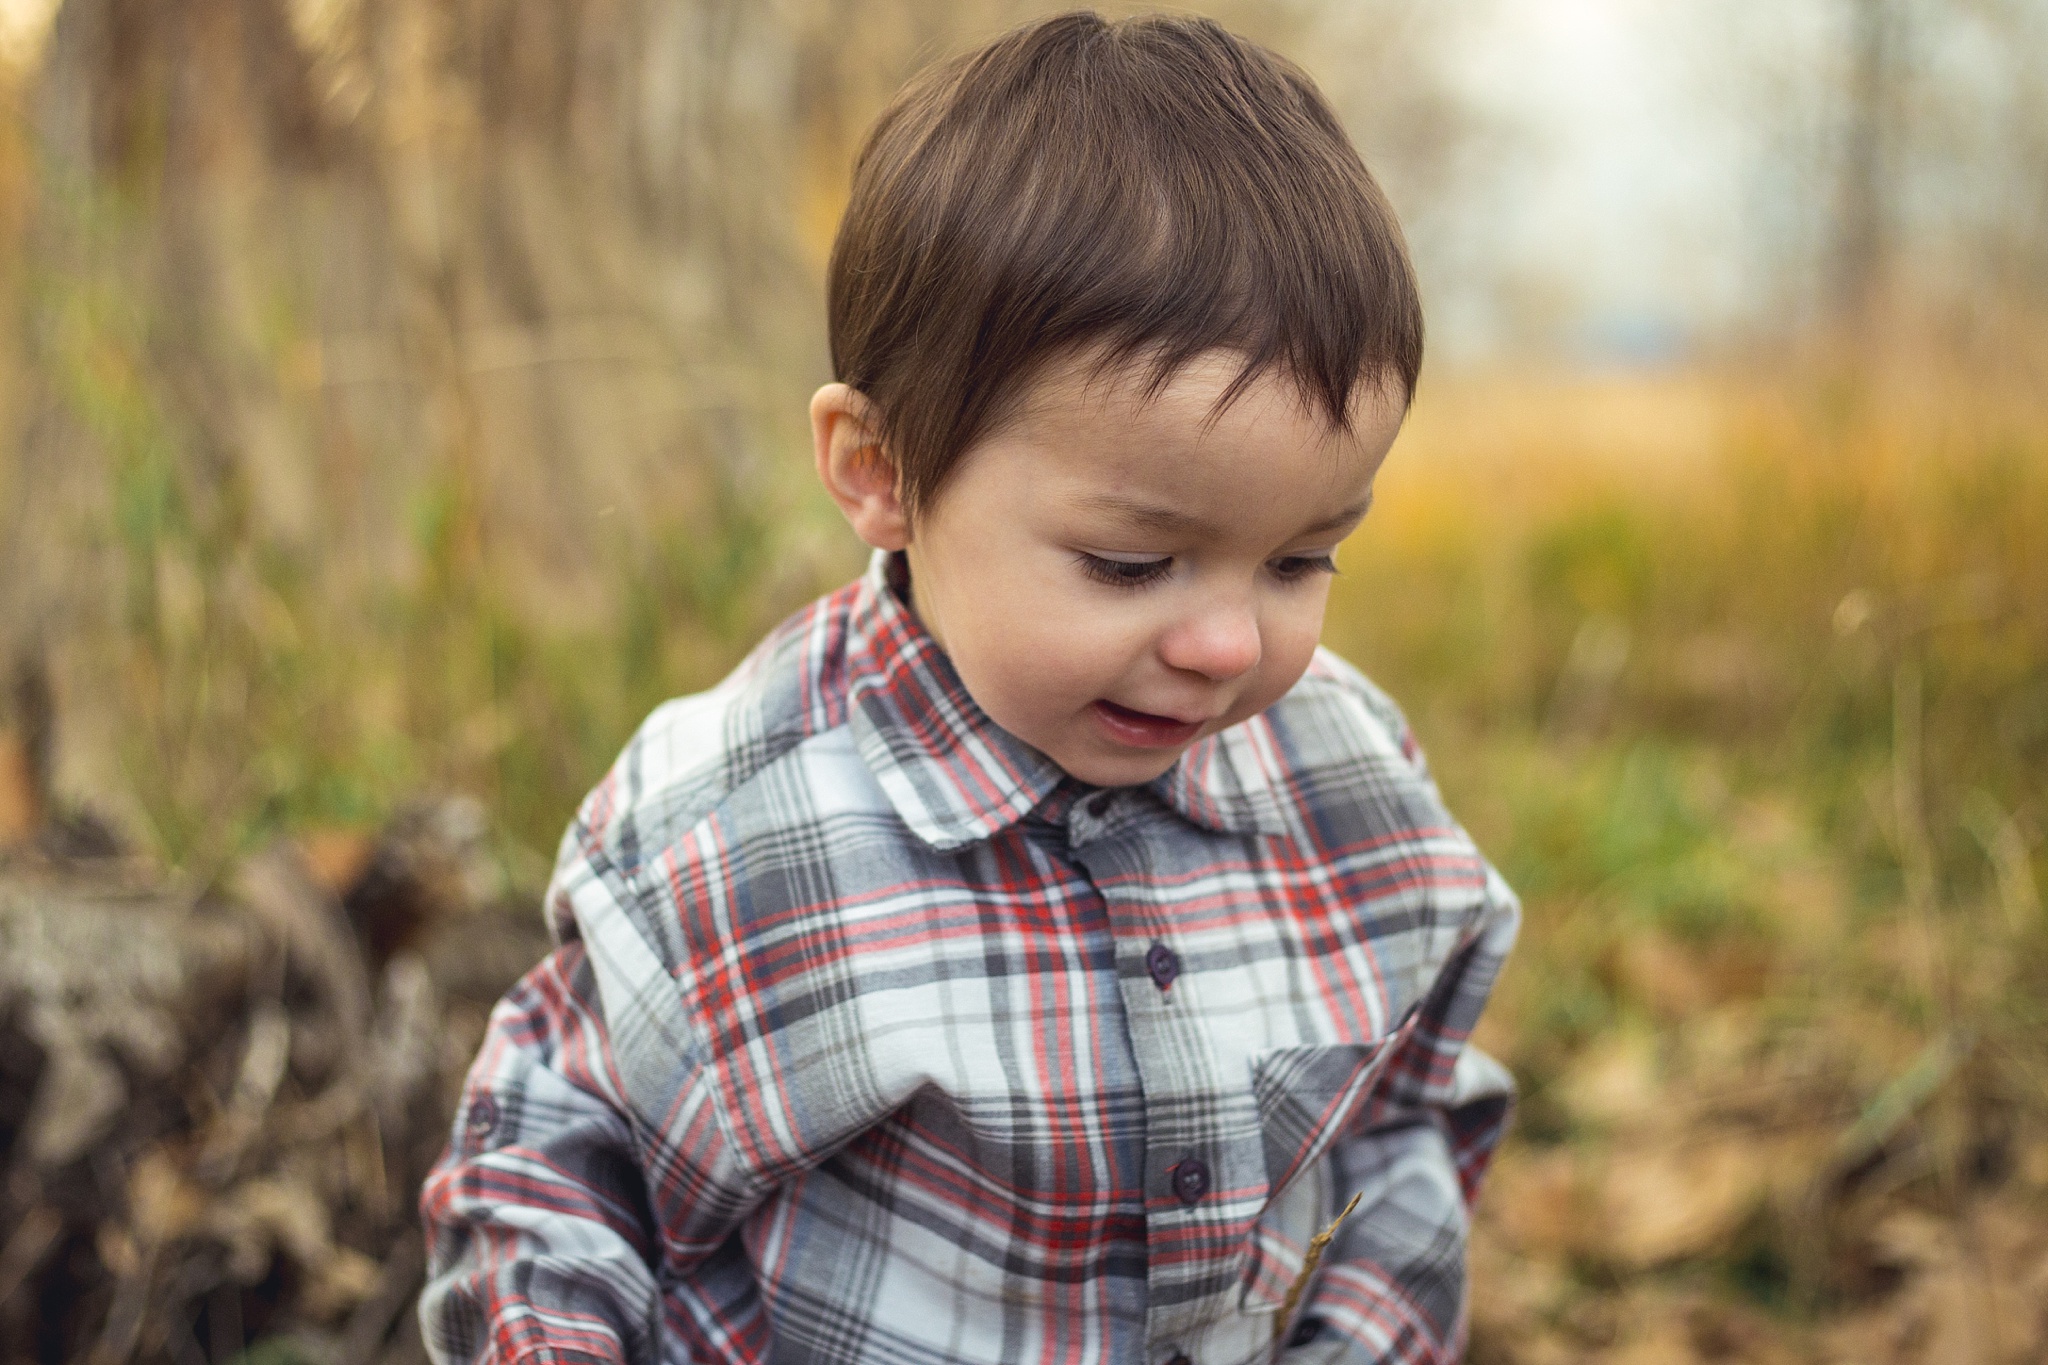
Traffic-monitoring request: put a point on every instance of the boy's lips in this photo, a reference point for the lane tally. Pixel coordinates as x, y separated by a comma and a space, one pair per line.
1142, 729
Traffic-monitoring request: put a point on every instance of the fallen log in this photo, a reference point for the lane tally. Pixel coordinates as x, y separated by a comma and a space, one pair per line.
217, 1103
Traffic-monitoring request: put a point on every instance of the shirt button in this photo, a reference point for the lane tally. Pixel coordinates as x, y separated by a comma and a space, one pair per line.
1190, 1180
1162, 964
1179, 1358
483, 1116
1306, 1331
1098, 804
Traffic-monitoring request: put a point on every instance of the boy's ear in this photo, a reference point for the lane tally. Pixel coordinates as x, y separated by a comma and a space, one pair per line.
846, 441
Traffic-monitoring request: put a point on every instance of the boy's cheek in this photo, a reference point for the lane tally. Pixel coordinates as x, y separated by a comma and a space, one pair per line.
1291, 648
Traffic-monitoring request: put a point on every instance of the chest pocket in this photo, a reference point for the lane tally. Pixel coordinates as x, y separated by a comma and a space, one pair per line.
1308, 1097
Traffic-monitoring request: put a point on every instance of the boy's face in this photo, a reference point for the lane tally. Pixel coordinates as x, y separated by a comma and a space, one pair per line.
1115, 577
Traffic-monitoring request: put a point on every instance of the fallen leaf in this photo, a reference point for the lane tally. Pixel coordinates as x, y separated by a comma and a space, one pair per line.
1668, 979
343, 1281
1975, 1291
1537, 1202
336, 857
117, 1250
162, 1203
1615, 1081
21, 805
1676, 981
1912, 1239
2033, 1164
1657, 1336
1666, 1203
78, 1096
1512, 1289
261, 1216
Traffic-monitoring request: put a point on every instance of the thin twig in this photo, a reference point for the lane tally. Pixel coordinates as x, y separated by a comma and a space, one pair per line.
1309, 1262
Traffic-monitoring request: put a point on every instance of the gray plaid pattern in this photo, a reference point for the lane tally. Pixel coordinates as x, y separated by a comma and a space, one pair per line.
853, 1051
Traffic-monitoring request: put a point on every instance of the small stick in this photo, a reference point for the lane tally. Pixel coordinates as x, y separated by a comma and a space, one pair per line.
1309, 1263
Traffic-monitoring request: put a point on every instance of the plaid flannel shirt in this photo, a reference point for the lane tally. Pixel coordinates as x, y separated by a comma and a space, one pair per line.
871, 1036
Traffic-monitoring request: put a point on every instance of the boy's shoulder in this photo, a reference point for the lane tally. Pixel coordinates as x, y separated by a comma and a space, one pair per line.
1334, 683
692, 753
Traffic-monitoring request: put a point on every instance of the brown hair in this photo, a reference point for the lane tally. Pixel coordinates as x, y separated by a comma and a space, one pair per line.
1155, 187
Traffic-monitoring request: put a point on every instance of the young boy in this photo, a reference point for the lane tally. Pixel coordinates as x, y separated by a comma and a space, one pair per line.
1032, 946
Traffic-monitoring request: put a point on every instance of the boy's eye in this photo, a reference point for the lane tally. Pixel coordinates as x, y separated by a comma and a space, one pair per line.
1125, 573
1293, 567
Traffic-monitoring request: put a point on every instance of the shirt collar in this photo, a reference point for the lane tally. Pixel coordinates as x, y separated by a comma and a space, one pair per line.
955, 776
1231, 782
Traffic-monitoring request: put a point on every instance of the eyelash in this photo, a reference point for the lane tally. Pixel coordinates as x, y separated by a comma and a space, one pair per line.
1122, 573
1306, 565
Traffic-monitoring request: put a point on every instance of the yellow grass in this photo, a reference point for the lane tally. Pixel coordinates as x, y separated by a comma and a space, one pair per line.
1742, 681
1745, 685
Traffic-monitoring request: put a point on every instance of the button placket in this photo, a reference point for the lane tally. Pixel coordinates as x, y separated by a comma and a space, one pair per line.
1173, 1053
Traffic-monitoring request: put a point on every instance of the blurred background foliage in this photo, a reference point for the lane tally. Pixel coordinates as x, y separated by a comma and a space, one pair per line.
405, 397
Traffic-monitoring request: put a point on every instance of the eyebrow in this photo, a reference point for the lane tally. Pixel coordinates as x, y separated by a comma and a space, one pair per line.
1347, 517
1143, 516
1140, 515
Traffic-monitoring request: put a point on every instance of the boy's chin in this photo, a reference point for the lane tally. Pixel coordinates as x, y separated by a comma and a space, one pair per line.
1131, 768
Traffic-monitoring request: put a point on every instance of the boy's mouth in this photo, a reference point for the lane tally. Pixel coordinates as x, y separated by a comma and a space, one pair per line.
1142, 729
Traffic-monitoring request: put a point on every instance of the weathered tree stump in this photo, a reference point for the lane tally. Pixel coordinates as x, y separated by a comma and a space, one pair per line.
216, 1104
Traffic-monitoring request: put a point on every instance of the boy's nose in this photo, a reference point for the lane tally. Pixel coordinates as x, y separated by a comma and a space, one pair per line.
1220, 644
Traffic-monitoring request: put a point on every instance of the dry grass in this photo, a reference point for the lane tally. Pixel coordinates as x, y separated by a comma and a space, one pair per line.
315, 503
1744, 685
1746, 688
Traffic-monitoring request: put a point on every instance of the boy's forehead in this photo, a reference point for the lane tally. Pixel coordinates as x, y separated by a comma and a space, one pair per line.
1194, 457
1196, 393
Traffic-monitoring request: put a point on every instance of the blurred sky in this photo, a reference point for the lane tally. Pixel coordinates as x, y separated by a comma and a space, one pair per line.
1619, 190
22, 23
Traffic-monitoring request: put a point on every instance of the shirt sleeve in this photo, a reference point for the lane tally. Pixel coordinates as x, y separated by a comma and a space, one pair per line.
1393, 1288
542, 1235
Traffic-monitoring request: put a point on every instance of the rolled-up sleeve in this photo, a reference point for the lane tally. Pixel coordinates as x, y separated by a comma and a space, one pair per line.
537, 1218
540, 1223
